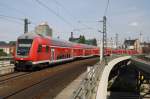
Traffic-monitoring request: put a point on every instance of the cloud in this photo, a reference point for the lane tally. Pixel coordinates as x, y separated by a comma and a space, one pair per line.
134, 24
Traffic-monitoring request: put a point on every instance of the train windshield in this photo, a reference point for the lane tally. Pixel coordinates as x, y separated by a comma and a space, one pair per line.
24, 46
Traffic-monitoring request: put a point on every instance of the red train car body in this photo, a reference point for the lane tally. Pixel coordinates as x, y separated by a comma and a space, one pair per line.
120, 51
32, 50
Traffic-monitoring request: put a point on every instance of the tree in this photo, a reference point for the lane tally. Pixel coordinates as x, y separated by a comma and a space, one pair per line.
82, 39
94, 42
70, 39
3, 43
12, 43
2, 53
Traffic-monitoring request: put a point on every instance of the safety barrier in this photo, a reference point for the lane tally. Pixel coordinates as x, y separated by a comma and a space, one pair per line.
6, 67
90, 82
143, 57
6, 58
89, 85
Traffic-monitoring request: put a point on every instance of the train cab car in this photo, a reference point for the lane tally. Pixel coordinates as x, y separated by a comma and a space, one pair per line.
29, 48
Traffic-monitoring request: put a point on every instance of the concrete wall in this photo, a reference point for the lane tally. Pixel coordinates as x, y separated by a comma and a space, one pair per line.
102, 88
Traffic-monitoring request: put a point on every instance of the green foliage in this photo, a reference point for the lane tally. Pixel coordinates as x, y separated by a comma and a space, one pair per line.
3, 43
94, 42
2, 53
70, 39
82, 39
12, 42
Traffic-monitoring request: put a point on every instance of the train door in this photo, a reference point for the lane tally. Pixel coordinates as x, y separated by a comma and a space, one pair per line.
72, 53
52, 54
84, 52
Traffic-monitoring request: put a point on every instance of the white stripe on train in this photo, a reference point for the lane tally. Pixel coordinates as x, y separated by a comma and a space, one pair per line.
60, 60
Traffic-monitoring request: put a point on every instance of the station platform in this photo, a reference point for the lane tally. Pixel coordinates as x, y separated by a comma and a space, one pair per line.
67, 92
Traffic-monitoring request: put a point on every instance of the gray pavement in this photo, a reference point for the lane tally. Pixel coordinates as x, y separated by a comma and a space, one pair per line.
67, 92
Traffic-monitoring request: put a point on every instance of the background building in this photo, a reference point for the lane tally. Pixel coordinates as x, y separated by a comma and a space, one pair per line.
7, 48
133, 45
111, 43
44, 29
145, 47
83, 40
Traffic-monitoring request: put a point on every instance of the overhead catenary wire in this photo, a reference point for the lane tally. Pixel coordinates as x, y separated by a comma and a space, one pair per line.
13, 8
10, 20
55, 13
70, 14
11, 17
106, 9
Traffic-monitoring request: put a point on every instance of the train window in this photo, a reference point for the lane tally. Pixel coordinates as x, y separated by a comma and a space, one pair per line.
47, 49
66, 55
25, 41
63, 56
23, 46
39, 48
58, 57
69, 55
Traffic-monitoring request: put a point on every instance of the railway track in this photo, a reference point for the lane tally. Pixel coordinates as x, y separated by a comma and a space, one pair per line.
21, 90
8, 77
48, 82
7, 74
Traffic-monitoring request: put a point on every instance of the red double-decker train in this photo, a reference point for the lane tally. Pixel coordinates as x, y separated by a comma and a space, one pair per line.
119, 51
35, 50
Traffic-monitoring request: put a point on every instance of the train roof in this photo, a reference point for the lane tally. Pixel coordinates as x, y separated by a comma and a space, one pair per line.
62, 43
56, 42
88, 46
31, 35
78, 45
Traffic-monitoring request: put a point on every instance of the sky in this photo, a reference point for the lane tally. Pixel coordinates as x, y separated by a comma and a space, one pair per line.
128, 18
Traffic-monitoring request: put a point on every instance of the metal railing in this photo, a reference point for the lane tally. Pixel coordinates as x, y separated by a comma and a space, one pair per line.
6, 58
89, 85
5, 63
142, 57
6, 67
